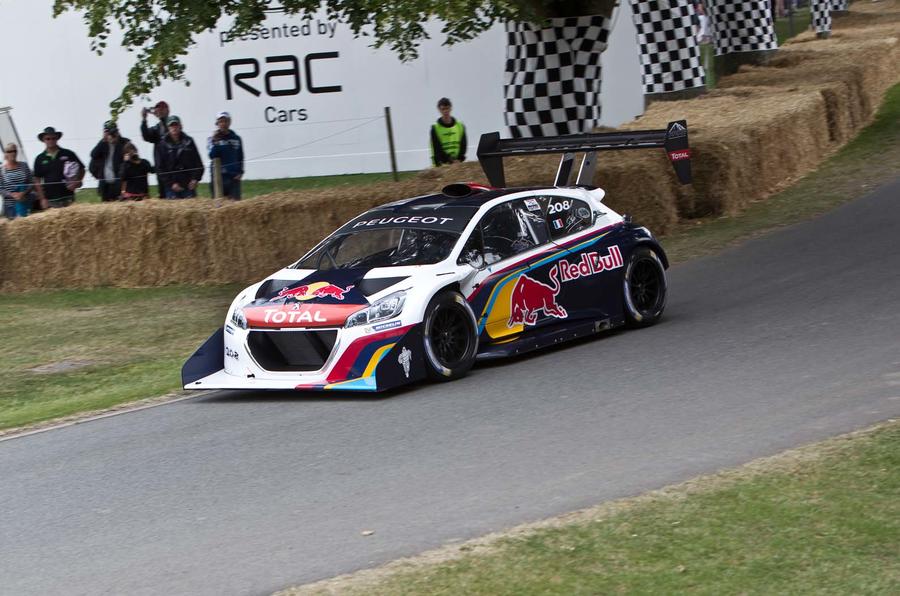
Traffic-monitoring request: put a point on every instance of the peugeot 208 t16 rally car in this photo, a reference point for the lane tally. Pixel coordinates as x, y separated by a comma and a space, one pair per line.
421, 288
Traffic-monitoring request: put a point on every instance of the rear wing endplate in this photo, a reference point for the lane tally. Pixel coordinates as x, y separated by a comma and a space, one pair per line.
674, 139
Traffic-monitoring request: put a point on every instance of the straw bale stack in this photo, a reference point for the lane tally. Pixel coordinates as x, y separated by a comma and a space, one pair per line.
763, 126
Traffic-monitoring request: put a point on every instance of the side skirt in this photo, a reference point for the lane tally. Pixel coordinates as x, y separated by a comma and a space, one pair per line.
546, 337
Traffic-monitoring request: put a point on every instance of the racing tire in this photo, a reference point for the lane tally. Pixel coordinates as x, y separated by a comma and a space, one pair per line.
449, 337
644, 288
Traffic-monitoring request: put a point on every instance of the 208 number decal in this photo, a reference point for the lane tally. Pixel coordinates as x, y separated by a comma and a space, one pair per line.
560, 207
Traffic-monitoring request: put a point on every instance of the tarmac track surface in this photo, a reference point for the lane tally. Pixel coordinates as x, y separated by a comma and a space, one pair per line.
784, 340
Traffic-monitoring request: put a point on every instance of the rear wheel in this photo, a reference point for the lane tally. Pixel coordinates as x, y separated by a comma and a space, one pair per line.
644, 288
450, 337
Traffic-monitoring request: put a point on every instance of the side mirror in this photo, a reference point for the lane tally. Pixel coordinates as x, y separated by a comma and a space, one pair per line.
473, 258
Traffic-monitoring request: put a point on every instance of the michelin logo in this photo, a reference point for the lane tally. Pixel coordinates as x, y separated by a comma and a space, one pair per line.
383, 326
405, 359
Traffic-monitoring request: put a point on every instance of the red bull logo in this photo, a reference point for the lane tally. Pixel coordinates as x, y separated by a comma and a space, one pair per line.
591, 263
319, 289
530, 297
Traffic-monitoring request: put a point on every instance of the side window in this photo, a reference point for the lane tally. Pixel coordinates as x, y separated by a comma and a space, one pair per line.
511, 228
567, 216
473, 250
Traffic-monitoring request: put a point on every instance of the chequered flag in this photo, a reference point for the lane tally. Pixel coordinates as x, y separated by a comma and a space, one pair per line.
840, 4
552, 78
821, 15
742, 26
670, 54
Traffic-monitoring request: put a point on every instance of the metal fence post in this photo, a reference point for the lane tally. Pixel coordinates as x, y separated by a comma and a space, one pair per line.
217, 177
390, 135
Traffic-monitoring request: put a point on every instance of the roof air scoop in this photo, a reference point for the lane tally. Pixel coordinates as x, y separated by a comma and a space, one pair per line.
463, 189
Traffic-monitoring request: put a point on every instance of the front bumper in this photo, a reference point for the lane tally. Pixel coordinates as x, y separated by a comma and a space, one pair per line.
372, 358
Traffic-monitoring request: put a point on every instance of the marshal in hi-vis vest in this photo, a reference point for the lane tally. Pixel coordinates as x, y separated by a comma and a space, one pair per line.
450, 138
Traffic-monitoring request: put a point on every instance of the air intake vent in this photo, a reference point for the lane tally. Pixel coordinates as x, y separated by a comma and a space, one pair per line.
373, 286
281, 351
273, 286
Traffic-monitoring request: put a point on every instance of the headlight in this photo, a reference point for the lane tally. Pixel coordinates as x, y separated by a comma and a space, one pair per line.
386, 308
238, 317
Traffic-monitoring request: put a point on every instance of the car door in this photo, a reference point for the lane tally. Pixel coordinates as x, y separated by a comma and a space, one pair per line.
591, 265
513, 253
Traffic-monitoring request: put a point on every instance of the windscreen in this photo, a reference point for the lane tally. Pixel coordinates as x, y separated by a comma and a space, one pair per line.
381, 247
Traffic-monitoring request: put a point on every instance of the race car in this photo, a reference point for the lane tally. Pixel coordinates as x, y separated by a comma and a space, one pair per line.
424, 287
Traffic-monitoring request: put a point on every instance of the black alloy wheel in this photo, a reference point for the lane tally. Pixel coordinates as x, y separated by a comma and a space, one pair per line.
450, 337
645, 288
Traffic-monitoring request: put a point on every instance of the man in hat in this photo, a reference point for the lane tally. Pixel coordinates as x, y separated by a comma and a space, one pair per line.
106, 161
57, 172
448, 136
155, 133
178, 163
227, 146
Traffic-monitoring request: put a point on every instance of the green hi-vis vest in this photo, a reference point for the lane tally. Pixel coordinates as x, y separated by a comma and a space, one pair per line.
450, 138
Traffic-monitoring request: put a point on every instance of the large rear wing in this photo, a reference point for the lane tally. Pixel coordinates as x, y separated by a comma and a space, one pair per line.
674, 139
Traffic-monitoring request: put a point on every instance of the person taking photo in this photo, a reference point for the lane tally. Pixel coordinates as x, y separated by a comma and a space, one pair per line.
133, 175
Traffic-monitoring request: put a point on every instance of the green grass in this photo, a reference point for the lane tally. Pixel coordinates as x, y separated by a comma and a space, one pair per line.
802, 19
136, 340
133, 342
825, 525
255, 188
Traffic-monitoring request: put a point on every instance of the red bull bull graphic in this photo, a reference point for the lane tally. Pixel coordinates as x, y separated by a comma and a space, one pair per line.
319, 289
529, 297
331, 290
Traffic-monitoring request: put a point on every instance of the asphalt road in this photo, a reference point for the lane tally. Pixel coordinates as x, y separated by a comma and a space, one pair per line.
784, 340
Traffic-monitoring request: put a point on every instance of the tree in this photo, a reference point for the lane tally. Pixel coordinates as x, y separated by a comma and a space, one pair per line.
160, 32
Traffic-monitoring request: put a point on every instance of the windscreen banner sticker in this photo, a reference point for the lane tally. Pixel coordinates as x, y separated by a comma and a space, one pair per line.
531, 297
532, 205
427, 220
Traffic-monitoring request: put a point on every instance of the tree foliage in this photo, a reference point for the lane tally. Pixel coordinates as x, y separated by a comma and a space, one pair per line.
160, 32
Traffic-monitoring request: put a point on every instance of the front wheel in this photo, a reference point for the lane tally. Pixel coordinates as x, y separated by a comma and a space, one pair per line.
644, 288
450, 337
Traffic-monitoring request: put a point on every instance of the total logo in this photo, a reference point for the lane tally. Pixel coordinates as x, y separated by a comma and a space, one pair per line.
319, 289
306, 316
531, 297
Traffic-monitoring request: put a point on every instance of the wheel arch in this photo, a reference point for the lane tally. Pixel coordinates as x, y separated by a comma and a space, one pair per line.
655, 246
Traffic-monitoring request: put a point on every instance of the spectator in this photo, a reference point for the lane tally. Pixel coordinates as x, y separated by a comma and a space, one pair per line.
57, 173
178, 164
16, 182
155, 134
448, 136
226, 145
133, 175
106, 161
702, 30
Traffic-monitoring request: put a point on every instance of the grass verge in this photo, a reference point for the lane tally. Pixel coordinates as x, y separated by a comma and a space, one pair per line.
824, 519
255, 188
130, 344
